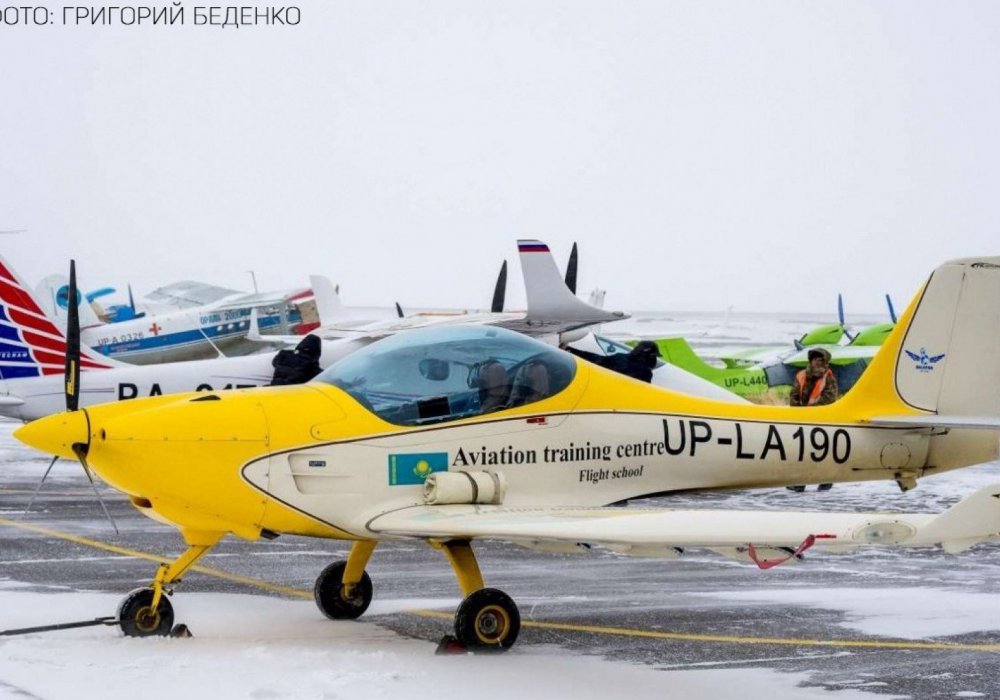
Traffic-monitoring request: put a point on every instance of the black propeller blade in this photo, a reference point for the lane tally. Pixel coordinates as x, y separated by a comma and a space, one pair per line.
571, 270
500, 291
72, 385
72, 381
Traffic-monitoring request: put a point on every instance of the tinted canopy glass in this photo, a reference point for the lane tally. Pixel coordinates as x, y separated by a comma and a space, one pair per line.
438, 374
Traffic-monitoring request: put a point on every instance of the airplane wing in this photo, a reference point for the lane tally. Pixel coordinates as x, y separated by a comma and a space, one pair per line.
262, 299
648, 532
933, 420
742, 356
188, 294
839, 354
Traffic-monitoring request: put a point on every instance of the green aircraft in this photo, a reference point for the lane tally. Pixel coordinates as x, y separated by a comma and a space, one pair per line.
761, 374
828, 336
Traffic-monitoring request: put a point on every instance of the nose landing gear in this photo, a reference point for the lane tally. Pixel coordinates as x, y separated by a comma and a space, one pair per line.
146, 612
138, 618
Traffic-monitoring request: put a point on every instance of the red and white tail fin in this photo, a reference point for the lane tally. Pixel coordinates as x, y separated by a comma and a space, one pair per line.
32, 345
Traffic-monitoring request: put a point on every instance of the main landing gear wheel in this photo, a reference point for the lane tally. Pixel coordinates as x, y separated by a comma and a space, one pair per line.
488, 620
137, 618
336, 602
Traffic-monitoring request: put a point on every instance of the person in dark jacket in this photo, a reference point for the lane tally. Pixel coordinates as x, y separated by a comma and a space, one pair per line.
638, 364
297, 366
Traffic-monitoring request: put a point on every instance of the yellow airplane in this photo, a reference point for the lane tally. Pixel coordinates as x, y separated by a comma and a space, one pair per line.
451, 434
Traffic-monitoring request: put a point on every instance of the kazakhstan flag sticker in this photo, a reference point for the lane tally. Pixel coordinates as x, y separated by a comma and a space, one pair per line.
409, 469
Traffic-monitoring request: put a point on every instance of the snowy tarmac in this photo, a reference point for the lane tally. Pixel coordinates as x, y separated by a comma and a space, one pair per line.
914, 623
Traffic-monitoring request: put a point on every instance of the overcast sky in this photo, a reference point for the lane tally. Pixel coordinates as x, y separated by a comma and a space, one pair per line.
763, 155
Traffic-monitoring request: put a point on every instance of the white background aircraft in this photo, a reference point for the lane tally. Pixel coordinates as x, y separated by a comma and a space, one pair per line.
33, 347
187, 321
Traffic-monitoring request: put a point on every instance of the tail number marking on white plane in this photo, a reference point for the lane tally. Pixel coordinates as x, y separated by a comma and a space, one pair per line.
128, 390
816, 444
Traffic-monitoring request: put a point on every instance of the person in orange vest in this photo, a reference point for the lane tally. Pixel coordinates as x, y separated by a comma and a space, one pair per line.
814, 386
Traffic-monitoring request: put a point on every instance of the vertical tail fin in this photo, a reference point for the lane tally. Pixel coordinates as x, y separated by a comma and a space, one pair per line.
549, 298
30, 343
52, 295
942, 355
328, 304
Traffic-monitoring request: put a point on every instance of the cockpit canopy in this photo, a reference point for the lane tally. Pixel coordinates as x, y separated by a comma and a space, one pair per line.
439, 374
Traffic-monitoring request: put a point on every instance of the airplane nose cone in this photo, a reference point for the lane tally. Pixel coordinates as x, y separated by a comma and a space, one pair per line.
56, 434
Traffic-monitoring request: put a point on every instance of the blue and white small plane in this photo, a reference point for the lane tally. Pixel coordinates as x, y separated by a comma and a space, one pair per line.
186, 321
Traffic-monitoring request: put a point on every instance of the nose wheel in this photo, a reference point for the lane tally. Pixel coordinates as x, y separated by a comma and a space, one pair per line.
338, 600
487, 620
138, 618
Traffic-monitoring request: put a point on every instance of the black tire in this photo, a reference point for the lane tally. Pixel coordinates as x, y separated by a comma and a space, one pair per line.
137, 618
330, 598
488, 620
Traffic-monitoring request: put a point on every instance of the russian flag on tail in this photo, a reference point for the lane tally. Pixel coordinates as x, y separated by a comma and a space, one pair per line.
526, 246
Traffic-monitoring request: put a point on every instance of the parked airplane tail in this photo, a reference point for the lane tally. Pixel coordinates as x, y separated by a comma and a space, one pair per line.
30, 343
328, 305
547, 294
941, 358
52, 294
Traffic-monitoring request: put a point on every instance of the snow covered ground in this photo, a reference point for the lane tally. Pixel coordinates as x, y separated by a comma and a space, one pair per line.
261, 648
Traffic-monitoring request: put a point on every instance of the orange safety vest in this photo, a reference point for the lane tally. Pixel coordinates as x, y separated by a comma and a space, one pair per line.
817, 390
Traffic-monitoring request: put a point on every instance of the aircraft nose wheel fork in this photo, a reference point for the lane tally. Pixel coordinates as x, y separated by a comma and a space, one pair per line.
487, 620
138, 618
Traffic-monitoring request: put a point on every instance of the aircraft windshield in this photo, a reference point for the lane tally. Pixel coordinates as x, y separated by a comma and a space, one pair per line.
440, 374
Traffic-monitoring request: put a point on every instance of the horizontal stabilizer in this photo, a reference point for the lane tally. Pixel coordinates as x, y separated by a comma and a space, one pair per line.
931, 420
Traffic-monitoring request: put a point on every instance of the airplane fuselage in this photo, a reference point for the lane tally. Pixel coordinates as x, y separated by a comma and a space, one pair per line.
311, 460
177, 336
